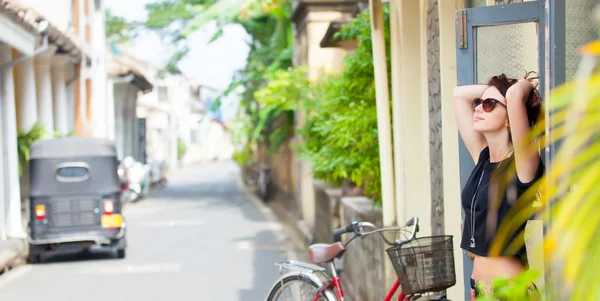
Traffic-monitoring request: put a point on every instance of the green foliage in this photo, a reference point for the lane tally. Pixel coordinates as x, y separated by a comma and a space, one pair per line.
278, 101
181, 148
504, 289
224, 11
57, 134
172, 65
284, 88
572, 249
177, 19
341, 140
24, 142
360, 29
263, 119
119, 30
171, 17
243, 157
240, 134
267, 22
269, 27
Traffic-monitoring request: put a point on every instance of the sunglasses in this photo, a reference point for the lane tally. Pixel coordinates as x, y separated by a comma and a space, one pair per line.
487, 104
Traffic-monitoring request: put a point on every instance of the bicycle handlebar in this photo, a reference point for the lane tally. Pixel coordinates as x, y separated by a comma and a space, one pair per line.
348, 229
358, 229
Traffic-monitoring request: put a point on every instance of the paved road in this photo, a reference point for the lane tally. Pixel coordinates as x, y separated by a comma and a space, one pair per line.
198, 239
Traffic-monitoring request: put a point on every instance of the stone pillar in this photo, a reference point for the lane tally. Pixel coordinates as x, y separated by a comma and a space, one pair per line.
59, 94
9, 149
110, 110
5, 56
71, 98
26, 97
44, 91
100, 107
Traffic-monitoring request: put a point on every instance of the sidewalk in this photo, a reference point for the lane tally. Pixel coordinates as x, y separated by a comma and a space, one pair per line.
298, 234
12, 253
297, 247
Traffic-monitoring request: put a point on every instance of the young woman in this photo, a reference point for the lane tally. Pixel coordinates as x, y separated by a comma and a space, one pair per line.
494, 121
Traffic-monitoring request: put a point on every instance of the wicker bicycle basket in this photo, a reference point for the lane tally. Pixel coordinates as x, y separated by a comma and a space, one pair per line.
425, 264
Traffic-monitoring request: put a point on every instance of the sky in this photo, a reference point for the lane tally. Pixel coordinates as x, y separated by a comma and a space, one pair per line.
212, 64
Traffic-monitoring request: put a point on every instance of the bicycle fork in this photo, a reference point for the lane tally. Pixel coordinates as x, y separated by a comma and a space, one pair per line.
334, 283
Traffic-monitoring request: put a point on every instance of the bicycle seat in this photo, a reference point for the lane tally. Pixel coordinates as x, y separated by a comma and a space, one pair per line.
321, 253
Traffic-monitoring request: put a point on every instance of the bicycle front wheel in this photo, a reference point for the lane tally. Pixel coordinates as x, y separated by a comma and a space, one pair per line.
297, 287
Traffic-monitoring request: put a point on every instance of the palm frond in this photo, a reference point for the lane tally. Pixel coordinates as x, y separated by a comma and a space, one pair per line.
571, 194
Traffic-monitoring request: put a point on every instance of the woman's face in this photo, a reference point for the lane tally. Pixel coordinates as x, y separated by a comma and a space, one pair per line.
493, 121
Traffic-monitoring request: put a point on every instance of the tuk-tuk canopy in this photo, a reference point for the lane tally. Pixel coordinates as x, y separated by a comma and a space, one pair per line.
73, 166
72, 147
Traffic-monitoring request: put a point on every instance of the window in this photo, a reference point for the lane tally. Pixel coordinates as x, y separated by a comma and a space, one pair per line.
163, 95
580, 29
477, 3
72, 172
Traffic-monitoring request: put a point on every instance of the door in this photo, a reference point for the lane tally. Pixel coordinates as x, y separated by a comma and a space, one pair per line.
493, 40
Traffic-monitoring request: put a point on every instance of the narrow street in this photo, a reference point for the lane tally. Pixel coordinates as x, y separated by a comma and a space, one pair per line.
199, 238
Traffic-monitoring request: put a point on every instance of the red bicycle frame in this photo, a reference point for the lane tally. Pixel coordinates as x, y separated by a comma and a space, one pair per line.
393, 290
336, 285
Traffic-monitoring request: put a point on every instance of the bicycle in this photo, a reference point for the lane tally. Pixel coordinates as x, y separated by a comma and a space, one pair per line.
258, 177
425, 267
264, 182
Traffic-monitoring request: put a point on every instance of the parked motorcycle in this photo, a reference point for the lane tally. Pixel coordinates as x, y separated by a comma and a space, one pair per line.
135, 180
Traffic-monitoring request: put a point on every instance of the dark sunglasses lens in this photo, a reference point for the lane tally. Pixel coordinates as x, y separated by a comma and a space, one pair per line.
488, 105
476, 102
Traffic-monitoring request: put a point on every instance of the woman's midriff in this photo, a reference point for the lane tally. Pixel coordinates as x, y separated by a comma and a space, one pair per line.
489, 268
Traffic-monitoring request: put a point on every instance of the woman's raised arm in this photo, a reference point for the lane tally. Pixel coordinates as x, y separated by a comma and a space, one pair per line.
463, 112
527, 158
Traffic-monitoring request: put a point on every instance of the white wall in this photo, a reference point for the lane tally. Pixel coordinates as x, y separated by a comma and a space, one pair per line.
179, 94
158, 128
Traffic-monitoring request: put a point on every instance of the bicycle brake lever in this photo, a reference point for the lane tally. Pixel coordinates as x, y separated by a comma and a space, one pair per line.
356, 228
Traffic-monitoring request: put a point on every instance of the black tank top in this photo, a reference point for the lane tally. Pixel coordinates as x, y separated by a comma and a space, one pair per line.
481, 214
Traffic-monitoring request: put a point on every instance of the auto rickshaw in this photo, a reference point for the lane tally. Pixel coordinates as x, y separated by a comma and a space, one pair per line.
74, 196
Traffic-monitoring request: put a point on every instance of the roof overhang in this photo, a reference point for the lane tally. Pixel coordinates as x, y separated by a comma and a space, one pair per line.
301, 7
27, 25
122, 72
137, 79
334, 27
16, 32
